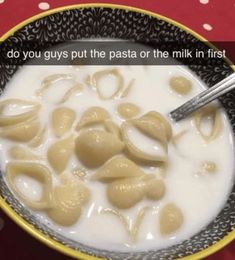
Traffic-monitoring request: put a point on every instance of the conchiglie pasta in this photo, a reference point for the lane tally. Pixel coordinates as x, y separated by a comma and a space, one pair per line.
22, 153
154, 125
95, 147
131, 229
95, 79
127, 90
118, 167
21, 132
128, 110
125, 193
6, 120
68, 199
137, 223
50, 80
127, 184
36, 171
113, 128
170, 219
73, 90
181, 85
62, 120
137, 151
38, 138
92, 115
210, 113
154, 187
59, 153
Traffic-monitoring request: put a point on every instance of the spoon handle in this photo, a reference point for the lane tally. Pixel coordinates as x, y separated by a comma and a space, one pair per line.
204, 98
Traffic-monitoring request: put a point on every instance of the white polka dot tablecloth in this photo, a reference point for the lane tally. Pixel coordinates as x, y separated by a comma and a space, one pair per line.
213, 19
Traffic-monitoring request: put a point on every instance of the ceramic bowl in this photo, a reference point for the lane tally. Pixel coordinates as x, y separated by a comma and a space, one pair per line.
112, 21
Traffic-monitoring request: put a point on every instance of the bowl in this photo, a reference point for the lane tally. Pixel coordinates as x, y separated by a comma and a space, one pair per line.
114, 21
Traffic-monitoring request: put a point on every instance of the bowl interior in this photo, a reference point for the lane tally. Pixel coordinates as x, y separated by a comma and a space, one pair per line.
106, 22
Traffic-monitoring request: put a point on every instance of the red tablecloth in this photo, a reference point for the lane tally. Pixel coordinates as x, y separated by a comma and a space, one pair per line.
213, 19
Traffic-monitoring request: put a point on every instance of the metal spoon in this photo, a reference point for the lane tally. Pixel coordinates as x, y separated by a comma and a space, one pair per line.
204, 98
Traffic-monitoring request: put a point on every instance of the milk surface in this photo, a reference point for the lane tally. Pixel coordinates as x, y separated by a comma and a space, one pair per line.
199, 196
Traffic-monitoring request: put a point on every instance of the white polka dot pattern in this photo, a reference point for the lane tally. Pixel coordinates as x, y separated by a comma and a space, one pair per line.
204, 2
207, 27
43, 6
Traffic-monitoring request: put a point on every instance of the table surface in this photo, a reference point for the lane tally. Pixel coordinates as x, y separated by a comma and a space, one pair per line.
213, 19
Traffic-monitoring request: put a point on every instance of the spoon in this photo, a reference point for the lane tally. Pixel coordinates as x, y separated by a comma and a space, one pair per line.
203, 98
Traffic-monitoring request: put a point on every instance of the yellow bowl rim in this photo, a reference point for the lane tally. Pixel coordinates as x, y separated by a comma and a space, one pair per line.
30, 228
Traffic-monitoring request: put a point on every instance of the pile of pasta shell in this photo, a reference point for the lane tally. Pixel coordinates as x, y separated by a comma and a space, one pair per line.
100, 144
127, 184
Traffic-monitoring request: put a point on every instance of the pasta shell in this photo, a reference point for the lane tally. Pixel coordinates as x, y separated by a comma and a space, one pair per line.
38, 138
204, 113
50, 80
154, 125
155, 188
123, 220
136, 152
59, 153
125, 193
132, 230
22, 153
62, 120
118, 167
137, 223
97, 76
21, 132
128, 110
75, 89
95, 147
181, 85
36, 171
68, 199
6, 120
127, 90
70, 180
171, 219
93, 115
112, 128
